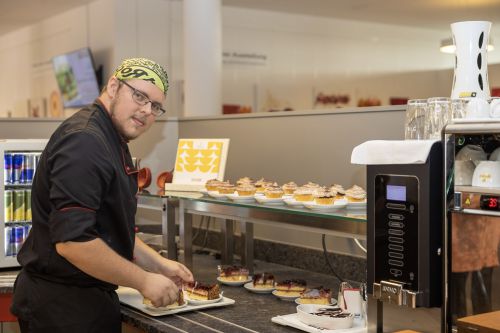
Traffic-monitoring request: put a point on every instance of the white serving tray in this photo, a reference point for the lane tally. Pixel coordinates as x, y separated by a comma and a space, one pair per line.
133, 298
292, 320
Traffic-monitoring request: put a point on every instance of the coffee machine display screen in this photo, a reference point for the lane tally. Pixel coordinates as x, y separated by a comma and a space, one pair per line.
490, 202
396, 193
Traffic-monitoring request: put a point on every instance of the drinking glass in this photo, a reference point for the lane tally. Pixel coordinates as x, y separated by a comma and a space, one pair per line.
438, 115
458, 107
415, 119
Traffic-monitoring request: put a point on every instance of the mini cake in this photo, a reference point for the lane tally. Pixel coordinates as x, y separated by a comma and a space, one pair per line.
261, 184
356, 194
318, 295
339, 189
311, 185
245, 190
325, 197
233, 273
180, 301
303, 194
201, 291
244, 181
290, 288
273, 192
289, 187
213, 184
226, 188
263, 280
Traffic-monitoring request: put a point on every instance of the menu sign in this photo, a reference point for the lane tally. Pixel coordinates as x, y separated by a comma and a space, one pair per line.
199, 160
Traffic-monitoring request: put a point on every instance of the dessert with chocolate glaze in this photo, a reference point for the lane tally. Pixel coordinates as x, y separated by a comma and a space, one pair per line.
201, 291
290, 287
233, 273
317, 295
263, 280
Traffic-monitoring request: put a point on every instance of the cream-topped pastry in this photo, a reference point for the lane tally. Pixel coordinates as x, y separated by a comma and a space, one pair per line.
289, 187
226, 188
311, 185
325, 197
274, 191
339, 189
261, 184
245, 190
355, 194
244, 181
213, 184
263, 280
317, 295
304, 194
290, 287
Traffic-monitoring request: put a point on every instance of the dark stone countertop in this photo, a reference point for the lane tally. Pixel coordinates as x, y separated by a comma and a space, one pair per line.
251, 312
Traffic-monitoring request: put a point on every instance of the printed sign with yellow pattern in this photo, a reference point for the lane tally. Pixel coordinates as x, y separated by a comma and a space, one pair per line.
199, 160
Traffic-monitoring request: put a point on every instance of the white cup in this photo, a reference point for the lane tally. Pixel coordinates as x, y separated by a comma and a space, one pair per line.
477, 108
495, 107
487, 174
463, 172
472, 153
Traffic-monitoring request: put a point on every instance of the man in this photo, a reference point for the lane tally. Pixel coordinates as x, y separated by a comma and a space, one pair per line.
82, 243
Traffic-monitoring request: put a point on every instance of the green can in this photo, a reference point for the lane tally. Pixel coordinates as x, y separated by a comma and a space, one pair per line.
27, 205
19, 205
8, 205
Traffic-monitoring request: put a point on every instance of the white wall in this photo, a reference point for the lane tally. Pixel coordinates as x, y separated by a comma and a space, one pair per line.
305, 55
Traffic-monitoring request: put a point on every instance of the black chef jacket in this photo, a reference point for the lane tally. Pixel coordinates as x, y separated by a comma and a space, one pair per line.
84, 188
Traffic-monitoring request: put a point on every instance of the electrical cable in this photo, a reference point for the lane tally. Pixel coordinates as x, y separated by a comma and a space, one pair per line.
359, 245
325, 253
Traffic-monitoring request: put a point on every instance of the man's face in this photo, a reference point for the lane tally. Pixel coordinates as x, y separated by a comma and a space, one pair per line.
129, 117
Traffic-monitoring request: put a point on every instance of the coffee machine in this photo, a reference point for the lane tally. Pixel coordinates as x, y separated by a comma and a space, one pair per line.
404, 234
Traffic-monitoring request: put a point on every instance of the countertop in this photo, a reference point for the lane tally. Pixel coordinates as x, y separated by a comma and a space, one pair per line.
251, 312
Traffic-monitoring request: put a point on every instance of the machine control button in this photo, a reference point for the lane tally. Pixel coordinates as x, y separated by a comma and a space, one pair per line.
396, 272
398, 263
391, 205
397, 255
396, 224
398, 217
396, 232
396, 247
398, 240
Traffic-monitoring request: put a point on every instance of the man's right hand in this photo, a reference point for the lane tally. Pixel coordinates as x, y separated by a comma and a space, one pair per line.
159, 289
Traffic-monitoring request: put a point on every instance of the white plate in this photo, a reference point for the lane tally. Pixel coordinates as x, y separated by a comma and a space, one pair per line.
294, 203
337, 204
333, 301
202, 302
238, 198
283, 297
258, 194
234, 283
203, 190
269, 201
356, 205
165, 308
249, 286
217, 195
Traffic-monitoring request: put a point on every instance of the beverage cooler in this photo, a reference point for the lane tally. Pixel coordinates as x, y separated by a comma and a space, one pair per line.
472, 227
19, 163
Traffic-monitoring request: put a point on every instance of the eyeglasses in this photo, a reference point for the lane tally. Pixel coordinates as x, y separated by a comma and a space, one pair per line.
142, 99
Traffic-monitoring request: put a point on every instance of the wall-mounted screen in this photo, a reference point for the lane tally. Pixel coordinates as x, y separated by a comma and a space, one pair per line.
76, 78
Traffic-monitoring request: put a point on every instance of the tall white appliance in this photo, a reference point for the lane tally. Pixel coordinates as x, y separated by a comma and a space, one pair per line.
19, 163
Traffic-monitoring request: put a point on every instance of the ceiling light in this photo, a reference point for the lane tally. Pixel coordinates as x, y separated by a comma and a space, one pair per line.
447, 46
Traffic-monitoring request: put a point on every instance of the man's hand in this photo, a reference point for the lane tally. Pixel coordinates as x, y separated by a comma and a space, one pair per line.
175, 271
161, 290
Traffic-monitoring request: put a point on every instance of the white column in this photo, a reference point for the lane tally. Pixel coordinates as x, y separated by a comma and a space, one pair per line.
202, 57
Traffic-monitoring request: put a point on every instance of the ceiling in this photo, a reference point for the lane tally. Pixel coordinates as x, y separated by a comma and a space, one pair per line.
432, 14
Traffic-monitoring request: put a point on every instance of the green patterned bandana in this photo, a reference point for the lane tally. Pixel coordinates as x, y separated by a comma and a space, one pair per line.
143, 69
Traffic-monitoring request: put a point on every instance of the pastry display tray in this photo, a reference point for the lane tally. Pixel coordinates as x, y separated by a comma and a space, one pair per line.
133, 298
292, 320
